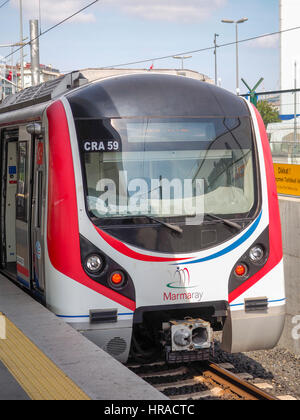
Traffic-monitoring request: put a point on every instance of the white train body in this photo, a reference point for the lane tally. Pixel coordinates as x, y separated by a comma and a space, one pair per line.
122, 274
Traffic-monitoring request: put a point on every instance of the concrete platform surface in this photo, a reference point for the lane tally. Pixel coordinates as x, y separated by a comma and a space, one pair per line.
94, 371
9, 387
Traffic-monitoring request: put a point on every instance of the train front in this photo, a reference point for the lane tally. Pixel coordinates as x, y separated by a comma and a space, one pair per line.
178, 223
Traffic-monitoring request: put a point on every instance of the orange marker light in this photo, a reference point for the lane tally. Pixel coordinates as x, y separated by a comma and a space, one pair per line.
117, 278
240, 270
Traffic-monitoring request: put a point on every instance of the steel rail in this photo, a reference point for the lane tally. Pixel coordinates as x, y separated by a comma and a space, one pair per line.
234, 383
220, 382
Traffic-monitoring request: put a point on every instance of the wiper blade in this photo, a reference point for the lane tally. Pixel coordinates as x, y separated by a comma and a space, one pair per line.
225, 221
176, 228
168, 225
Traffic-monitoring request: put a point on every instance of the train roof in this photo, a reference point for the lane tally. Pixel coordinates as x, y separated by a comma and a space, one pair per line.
44, 92
154, 95
133, 95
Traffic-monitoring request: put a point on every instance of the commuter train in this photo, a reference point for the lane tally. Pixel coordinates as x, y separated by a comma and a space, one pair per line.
142, 210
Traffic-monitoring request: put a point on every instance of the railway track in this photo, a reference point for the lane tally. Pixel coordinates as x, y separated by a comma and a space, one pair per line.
196, 381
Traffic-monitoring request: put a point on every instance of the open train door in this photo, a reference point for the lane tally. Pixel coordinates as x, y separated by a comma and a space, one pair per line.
9, 144
22, 206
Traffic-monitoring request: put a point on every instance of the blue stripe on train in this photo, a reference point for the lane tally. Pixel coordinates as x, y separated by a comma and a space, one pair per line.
229, 248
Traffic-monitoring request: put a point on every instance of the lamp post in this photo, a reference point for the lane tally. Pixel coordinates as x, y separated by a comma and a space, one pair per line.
215, 52
21, 40
237, 47
182, 57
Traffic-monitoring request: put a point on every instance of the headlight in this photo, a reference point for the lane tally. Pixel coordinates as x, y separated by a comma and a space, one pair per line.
94, 263
256, 253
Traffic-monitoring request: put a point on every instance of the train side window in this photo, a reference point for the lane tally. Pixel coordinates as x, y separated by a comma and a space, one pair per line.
22, 188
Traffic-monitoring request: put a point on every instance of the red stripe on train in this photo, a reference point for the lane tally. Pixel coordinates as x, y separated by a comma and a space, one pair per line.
63, 228
125, 250
275, 240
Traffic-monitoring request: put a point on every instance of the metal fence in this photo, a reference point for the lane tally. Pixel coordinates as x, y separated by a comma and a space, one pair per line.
282, 121
285, 151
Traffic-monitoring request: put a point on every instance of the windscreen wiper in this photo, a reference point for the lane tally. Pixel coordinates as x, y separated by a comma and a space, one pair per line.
168, 225
225, 221
176, 228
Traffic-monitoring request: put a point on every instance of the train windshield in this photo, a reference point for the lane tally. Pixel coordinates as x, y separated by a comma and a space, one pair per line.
168, 168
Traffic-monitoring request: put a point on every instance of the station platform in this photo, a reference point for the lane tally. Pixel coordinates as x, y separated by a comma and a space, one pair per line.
43, 358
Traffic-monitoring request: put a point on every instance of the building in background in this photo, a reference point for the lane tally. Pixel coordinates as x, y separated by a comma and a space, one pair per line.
10, 81
289, 56
95, 74
11, 75
47, 73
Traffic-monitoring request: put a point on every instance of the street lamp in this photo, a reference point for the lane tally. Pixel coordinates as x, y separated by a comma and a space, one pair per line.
21, 40
237, 48
215, 53
182, 57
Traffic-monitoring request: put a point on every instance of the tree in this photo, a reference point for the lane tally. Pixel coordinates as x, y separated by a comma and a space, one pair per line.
268, 112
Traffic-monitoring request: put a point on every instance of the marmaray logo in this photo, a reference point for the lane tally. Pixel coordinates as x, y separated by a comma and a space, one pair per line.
182, 279
182, 282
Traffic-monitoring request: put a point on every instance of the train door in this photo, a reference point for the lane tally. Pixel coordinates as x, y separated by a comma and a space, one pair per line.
23, 208
8, 201
37, 215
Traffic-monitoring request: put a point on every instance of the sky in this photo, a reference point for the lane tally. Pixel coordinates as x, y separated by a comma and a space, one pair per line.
113, 32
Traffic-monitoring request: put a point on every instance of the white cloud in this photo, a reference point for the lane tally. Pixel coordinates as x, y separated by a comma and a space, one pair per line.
53, 11
271, 41
168, 10
163, 10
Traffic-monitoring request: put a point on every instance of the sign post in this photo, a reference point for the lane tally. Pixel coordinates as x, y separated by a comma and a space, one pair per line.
252, 93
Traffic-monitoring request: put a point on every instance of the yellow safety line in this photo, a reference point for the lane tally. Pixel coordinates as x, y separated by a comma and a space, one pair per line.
40, 378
